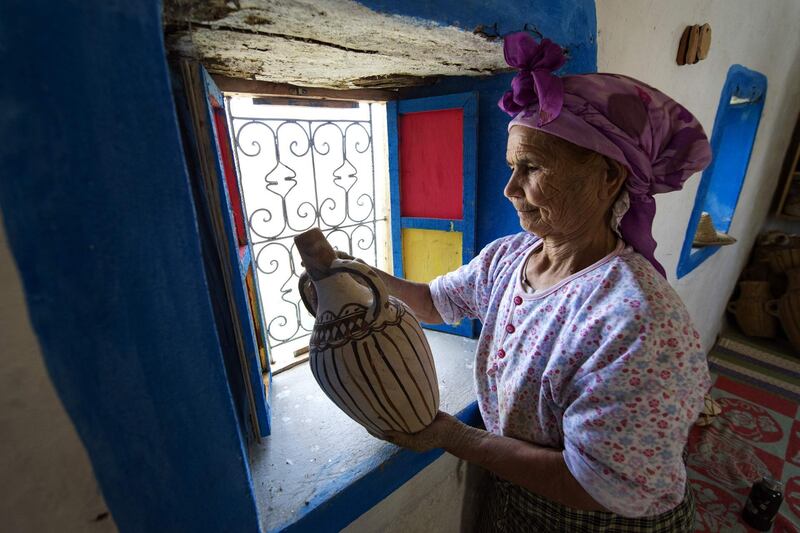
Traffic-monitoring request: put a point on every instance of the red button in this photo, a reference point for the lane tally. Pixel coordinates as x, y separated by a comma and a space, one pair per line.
501, 353
517, 300
510, 328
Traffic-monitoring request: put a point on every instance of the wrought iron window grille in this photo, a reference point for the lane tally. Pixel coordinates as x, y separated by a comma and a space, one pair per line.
297, 174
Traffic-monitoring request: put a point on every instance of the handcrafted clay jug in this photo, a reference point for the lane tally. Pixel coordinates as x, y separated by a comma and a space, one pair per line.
784, 259
367, 350
788, 308
751, 310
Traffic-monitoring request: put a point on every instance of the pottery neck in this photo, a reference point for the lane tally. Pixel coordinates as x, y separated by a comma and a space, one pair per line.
338, 290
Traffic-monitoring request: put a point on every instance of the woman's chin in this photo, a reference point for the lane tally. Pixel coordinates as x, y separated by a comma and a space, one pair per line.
529, 220
532, 226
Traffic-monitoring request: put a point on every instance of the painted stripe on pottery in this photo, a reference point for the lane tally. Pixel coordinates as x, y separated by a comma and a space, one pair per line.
320, 372
421, 348
336, 382
416, 376
378, 412
381, 385
346, 402
360, 396
425, 359
354, 347
325, 382
314, 364
404, 385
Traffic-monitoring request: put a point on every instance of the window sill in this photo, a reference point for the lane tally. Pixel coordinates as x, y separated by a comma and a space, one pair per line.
319, 470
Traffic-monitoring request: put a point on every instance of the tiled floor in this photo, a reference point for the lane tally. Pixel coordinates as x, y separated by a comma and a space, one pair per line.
757, 434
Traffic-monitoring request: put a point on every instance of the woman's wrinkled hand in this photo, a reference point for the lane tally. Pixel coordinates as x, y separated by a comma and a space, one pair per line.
439, 434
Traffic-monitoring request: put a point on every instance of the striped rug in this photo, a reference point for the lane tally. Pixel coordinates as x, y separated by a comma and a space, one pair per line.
769, 365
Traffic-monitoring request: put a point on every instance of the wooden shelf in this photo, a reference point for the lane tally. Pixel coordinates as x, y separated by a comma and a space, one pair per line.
790, 175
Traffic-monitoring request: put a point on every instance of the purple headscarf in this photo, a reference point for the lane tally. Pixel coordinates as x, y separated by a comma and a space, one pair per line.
656, 138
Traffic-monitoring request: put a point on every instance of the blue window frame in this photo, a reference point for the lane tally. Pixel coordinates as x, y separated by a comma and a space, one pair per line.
735, 127
239, 257
468, 102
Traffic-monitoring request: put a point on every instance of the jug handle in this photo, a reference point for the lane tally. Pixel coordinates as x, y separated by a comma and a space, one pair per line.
380, 298
307, 290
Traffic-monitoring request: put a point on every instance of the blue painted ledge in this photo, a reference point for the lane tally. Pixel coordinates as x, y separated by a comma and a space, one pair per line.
319, 470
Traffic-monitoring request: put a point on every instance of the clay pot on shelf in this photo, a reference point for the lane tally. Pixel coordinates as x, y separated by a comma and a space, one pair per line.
769, 242
788, 308
784, 259
751, 310
367, 350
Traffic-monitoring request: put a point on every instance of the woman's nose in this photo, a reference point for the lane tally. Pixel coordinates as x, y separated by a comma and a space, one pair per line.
512, 189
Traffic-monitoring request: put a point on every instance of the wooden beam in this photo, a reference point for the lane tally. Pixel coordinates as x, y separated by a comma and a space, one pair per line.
308, 102
265, 88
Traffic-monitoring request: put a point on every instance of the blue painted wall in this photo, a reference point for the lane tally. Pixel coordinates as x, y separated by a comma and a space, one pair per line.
97, 207
572, 24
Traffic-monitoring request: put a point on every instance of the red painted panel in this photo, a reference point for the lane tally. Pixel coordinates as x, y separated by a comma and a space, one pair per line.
235, 197
431, 164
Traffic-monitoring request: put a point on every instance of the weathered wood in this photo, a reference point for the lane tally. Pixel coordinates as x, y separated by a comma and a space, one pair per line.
693, 46
705, 41
264, 88
331, 44
682, 45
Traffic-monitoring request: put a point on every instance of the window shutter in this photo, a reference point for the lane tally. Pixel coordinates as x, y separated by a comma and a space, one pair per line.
432, 166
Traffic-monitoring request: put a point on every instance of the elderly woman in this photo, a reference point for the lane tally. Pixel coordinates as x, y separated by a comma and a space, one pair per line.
588, 370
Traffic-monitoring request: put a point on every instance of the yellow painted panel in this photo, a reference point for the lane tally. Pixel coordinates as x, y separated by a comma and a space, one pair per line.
430, 253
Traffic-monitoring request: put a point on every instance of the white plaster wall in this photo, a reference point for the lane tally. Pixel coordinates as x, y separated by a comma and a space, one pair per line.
46, 480
441, 498
640, 39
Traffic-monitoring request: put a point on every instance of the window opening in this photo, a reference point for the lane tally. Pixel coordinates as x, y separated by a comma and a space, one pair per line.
304, 166
732, 140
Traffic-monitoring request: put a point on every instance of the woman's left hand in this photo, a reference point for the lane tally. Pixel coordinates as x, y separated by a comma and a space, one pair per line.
442, 431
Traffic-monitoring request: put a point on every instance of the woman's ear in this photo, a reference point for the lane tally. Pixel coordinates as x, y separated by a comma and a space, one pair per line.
616, 173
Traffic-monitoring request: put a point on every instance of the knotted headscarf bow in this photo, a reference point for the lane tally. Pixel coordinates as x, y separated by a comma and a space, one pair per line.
657, 139
535, 83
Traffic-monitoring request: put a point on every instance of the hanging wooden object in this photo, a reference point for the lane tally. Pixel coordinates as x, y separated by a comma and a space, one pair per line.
705, 42
682, 45
694, 44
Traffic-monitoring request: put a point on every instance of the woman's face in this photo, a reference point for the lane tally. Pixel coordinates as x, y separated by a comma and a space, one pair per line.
557, 188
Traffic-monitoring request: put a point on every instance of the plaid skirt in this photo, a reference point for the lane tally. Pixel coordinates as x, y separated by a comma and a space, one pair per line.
513, 509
